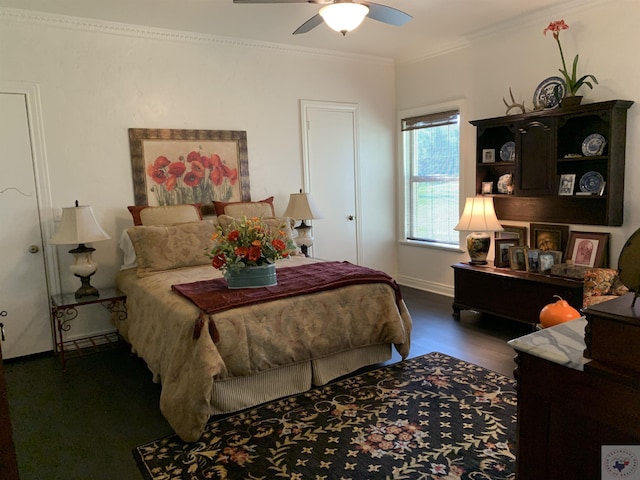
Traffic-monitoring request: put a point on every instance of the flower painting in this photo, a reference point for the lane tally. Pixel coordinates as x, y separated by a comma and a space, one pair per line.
173, 167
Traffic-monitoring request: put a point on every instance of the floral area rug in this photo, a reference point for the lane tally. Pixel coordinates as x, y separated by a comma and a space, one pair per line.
432, 417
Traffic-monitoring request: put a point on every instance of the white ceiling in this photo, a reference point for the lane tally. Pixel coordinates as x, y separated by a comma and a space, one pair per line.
436, 25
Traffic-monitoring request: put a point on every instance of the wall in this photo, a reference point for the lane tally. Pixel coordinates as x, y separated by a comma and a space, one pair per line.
520, 57
99, 79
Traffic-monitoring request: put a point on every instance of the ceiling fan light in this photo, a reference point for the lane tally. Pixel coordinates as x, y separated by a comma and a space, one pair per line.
344, 17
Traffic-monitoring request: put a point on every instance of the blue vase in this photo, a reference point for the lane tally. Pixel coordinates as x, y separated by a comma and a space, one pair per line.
252, 277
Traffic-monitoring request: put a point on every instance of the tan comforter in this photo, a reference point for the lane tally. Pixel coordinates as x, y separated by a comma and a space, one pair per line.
253, 339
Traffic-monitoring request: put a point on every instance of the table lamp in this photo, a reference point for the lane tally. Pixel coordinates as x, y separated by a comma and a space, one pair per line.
302, 208
79, 225
478, 217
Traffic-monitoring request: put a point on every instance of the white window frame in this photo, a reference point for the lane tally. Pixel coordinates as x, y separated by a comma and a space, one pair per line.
467, 169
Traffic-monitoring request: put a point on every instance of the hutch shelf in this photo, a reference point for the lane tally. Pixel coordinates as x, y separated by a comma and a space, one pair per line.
548, 144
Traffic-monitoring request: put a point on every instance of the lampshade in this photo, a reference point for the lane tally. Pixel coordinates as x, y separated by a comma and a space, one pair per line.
479, 216
344, 17
301, 207
78, 225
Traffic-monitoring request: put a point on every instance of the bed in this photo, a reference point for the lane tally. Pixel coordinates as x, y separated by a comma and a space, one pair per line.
211, 364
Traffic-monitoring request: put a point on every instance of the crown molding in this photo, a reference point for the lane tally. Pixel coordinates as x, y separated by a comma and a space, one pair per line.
539, 17
129, 30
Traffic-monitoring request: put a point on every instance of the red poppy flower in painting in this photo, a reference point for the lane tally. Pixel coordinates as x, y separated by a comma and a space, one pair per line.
156, 175
193, 156
197, 168
161, 162
192, 179
171, 182
177, 169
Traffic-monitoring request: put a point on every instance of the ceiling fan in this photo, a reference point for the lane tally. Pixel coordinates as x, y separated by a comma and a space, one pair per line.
344, 15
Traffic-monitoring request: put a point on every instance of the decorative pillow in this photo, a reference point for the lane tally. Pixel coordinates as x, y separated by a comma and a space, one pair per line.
162, 248
166, 215
285, 224
246, 209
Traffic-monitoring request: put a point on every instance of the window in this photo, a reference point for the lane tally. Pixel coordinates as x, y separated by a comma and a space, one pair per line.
432, 177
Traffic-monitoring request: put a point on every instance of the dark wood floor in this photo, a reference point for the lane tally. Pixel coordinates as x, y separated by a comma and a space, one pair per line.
83, 424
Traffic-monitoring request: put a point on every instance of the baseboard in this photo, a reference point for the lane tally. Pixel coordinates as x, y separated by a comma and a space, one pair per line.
438, 288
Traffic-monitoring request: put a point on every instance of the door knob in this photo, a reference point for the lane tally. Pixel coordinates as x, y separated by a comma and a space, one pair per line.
350, 217
34, 249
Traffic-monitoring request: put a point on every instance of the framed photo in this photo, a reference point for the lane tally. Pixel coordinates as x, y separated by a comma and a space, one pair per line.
588, 249
557, 256
545, 237
532, 256
501, 259
567, 181
517, 258
172, 167
547, 260
513, 232
488, 155
487, 188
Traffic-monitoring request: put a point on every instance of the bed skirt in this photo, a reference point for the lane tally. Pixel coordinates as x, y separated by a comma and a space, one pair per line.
237, 393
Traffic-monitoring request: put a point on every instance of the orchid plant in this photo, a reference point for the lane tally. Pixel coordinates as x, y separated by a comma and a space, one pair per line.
573, 83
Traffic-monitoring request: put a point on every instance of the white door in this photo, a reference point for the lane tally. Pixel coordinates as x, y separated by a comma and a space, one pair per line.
24, 295
331, 152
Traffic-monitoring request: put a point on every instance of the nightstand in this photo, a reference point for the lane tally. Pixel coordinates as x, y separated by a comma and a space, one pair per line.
64, 309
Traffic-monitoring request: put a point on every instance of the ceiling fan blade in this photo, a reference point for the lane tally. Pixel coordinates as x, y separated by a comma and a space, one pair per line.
385, 14
309, 25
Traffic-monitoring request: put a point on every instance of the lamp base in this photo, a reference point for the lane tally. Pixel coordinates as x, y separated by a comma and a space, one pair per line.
303, 238
86, 289
478, 244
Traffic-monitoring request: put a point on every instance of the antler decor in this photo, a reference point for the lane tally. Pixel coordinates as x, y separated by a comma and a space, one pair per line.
514, 104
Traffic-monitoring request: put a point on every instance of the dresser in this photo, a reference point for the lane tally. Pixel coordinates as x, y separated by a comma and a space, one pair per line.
569, 406
511, 294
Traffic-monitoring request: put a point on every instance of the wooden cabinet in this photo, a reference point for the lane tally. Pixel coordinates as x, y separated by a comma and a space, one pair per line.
566, 415
509, 293
548, 144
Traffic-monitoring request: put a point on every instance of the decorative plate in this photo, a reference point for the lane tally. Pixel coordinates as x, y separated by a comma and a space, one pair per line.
593, 145
508, 151
546, 96
591, 182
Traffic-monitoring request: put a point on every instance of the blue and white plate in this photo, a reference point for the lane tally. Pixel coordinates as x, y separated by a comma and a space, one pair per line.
591, 182
549, 93
593, 145
508, 152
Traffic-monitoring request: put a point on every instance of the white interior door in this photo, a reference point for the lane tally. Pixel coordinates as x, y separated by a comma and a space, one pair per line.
331, 152
24, 294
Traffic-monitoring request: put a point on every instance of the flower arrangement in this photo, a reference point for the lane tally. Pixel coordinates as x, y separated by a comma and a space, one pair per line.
195, 179
249, 242
573, 83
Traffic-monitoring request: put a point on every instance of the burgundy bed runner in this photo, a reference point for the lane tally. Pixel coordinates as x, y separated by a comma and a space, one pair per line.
213, 296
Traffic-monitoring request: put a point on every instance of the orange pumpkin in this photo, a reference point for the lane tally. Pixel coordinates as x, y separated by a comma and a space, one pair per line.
558, 312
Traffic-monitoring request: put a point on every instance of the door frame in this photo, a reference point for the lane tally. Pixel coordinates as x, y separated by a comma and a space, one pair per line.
305, 107
31, 92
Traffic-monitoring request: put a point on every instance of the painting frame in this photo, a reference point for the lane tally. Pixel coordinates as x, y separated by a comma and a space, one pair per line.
589, 249
513, 231
232, 169
548, 236
501, 257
